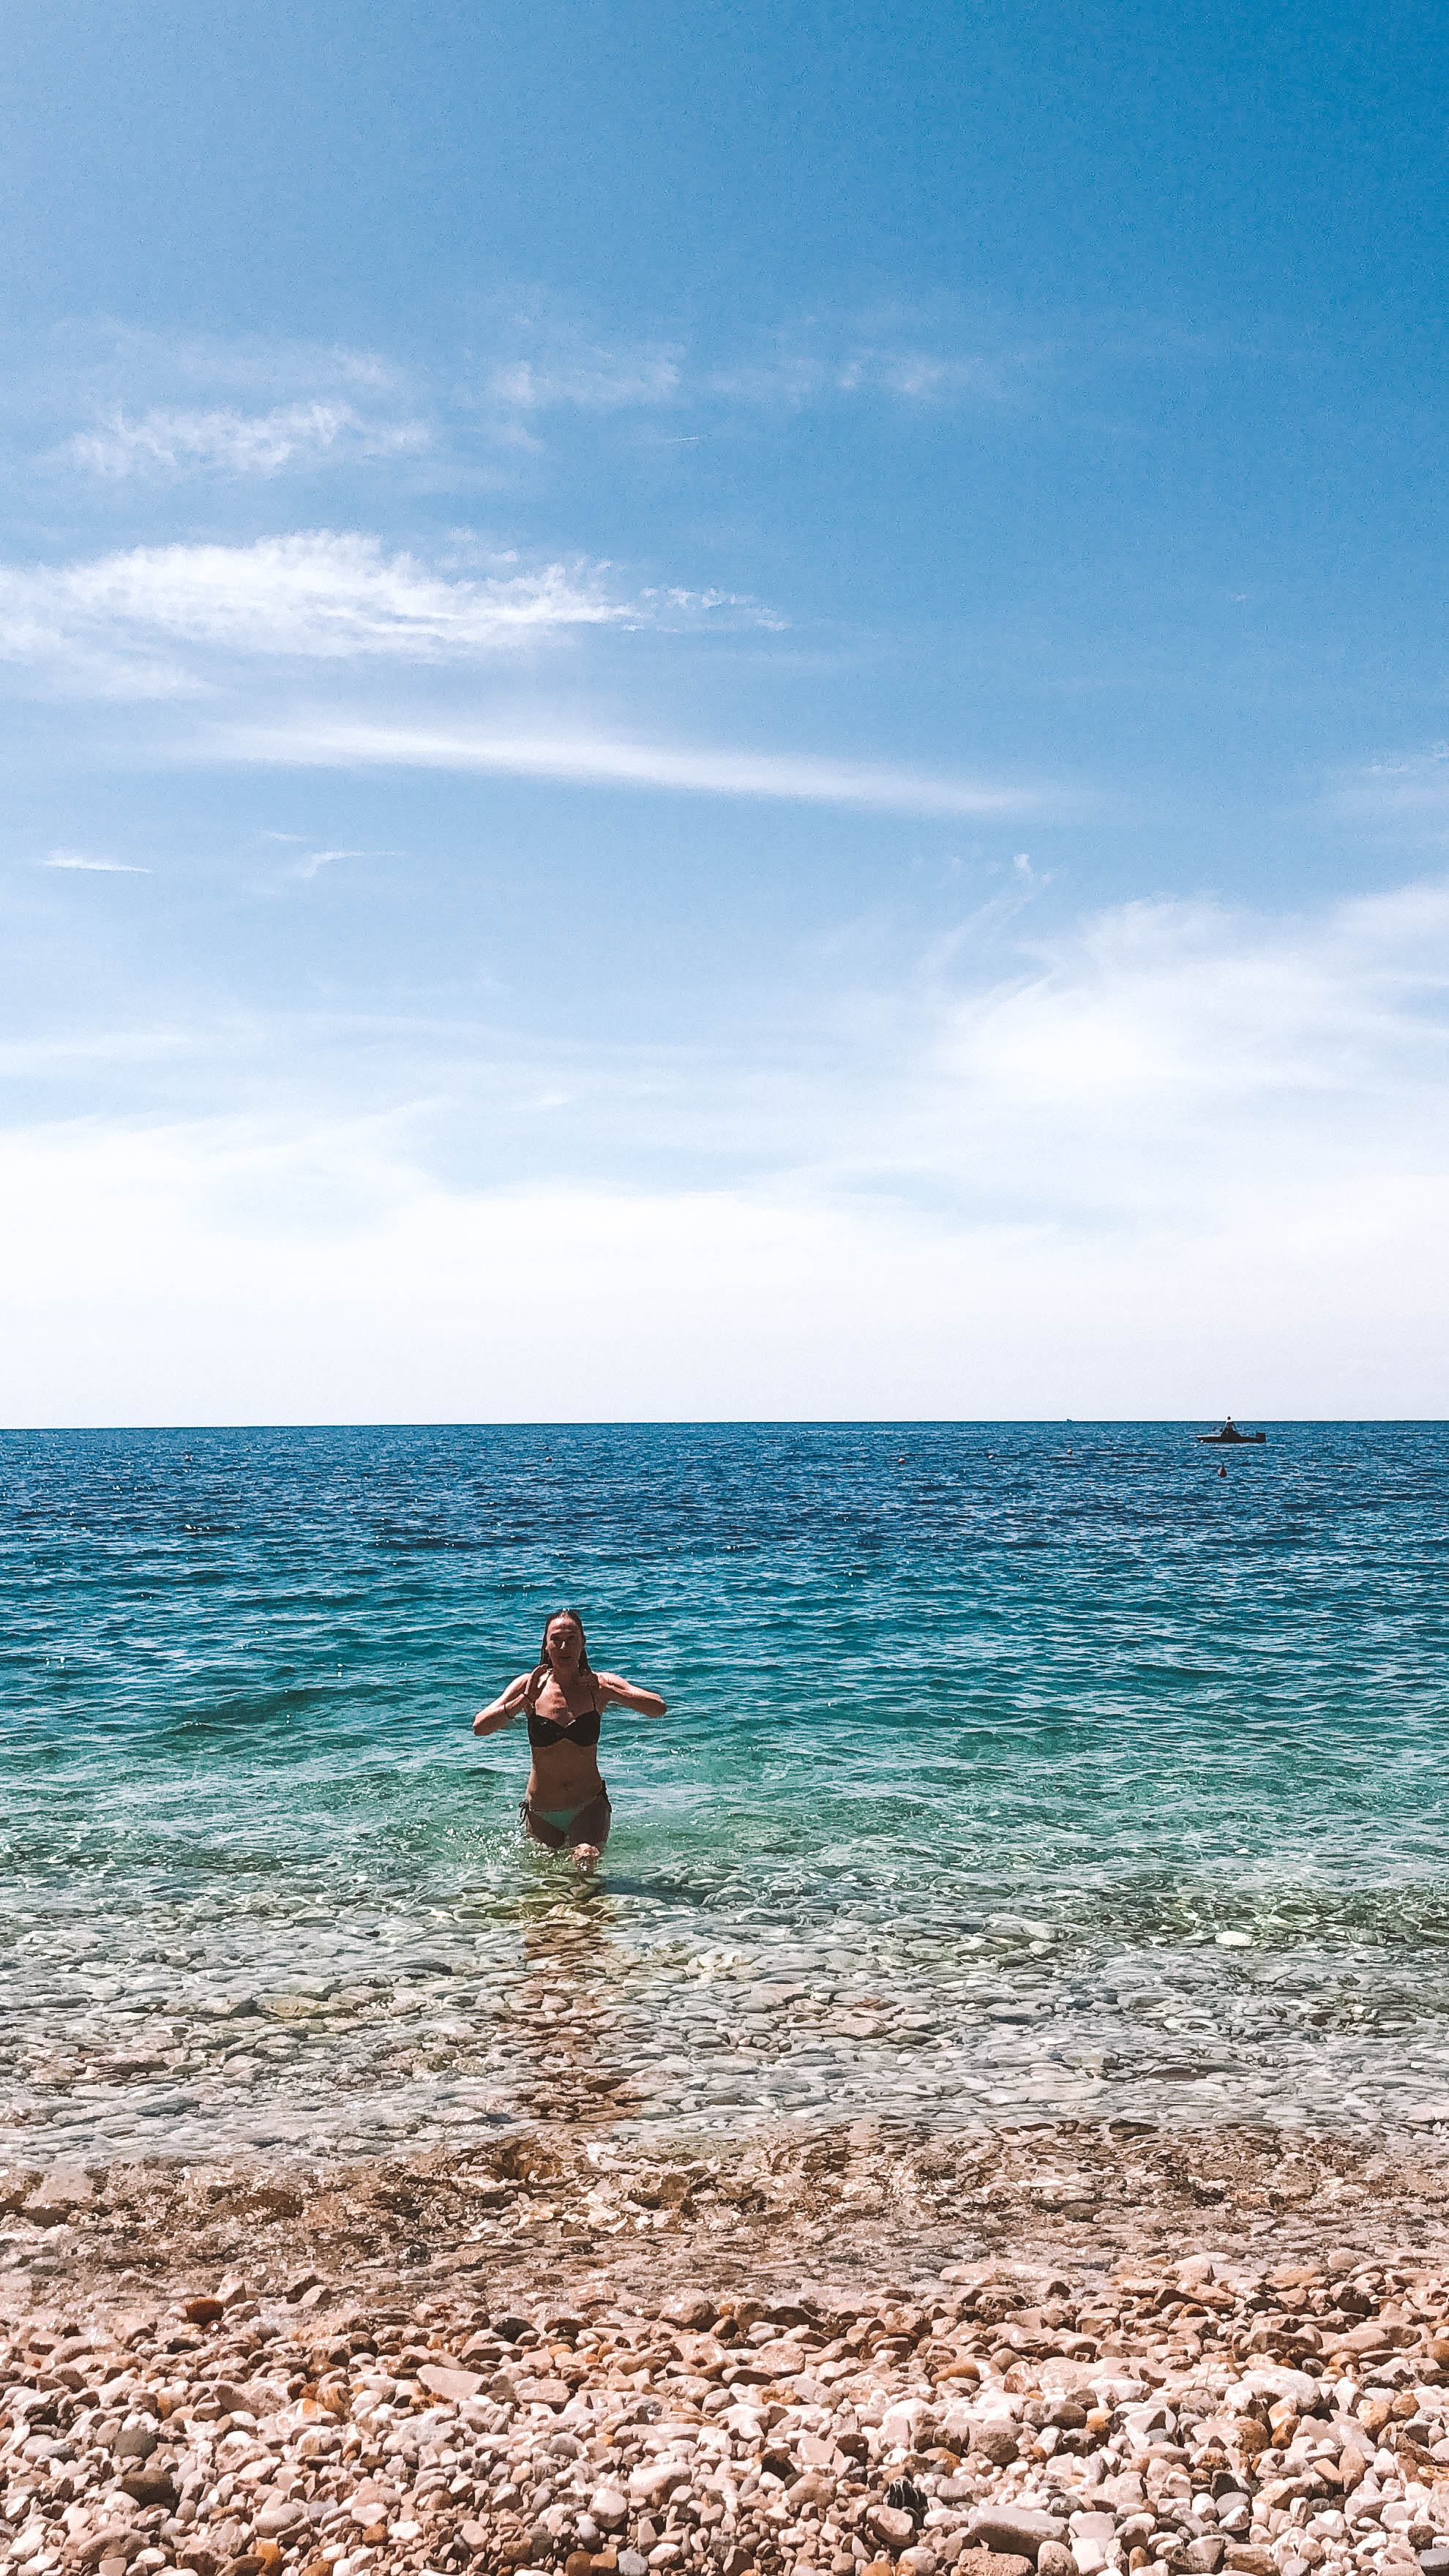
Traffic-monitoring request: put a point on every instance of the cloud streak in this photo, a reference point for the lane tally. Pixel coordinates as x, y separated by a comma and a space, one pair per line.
77, 859
231, 442
597, 760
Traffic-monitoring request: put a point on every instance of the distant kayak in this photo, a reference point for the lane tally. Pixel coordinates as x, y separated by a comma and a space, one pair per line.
1233, 1437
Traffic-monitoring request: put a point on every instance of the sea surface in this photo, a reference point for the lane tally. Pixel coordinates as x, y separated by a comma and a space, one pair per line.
1011, 1771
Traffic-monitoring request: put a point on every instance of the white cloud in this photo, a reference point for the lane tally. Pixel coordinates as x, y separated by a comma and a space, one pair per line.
1191, 1161
896, 357
317, 860
699, 770
297, 434
587, 379
321, 596
93, 867
1177, 1066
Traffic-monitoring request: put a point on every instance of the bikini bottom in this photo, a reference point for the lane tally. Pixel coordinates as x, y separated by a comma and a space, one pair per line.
562, 1828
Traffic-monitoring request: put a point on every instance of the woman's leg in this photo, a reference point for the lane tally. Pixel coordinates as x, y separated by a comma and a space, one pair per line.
589, 1832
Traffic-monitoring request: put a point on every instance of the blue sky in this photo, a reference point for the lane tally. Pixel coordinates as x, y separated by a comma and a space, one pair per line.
722, 712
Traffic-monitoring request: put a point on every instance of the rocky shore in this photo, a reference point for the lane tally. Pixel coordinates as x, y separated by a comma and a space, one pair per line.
1050, 2349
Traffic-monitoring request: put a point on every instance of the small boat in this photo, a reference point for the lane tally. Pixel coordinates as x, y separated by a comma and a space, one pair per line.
1231, 1437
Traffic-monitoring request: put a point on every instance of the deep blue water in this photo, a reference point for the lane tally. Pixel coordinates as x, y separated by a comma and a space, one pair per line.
1016, 1768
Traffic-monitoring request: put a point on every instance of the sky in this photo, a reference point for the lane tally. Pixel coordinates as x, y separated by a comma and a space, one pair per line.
725, 712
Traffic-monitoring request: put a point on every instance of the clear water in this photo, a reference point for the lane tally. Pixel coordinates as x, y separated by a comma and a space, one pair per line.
1014, 1770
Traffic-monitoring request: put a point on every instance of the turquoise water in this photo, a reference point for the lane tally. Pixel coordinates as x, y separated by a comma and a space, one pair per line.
1009, 1770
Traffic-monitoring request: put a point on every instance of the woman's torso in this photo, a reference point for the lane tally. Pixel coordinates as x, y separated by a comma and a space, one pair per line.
565, 1768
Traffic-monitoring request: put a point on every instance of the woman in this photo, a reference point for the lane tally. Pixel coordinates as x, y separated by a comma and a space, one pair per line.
567, 1806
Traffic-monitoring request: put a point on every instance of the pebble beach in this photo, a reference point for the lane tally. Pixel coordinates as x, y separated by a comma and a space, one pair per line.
1030, 2350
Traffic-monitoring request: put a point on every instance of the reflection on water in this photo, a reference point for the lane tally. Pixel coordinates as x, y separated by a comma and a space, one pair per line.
1062, 1781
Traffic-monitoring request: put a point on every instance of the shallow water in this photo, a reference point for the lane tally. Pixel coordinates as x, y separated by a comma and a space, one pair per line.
1010, 1770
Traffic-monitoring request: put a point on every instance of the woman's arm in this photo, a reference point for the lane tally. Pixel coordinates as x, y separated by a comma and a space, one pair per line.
506, 1706
647, 1703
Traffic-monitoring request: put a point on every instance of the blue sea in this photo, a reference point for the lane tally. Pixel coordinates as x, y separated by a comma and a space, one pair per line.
1011, 1772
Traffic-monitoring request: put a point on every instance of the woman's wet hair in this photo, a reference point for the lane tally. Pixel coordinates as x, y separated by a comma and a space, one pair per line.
543, 1667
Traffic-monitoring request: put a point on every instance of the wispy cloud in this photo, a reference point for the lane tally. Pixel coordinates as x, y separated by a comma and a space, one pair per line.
587, 380
1409, 790
299, 434
317, 860
808, 368
898, 357
89, 866
320, 596
601, 761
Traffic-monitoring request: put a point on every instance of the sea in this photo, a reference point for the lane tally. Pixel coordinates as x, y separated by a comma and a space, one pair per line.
1012, 1773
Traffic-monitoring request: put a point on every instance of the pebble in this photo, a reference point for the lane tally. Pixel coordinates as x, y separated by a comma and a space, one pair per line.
1204, 2416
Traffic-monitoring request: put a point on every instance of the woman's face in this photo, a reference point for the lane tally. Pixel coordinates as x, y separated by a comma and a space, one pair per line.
564, 1644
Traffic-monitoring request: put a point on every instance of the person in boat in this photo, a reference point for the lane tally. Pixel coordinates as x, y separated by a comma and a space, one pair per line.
567, 1805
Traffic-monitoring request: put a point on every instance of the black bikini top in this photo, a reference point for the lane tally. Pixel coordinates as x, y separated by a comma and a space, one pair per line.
580, 1730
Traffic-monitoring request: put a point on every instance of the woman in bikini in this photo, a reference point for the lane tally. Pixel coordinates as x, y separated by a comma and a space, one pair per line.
567, 1806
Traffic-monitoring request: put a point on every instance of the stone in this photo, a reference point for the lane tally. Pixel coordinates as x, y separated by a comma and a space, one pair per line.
453, 2385
472, 2535
280, 2516
891, 2525
910, 2425
1248, 2558
135, 2442
812, 2488
204, 2312
994, 2442
991, 2562
956, 2427
631, 2563
1205, 2555
608, 2507
149, 2487
1013, 2531
1055, 2559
